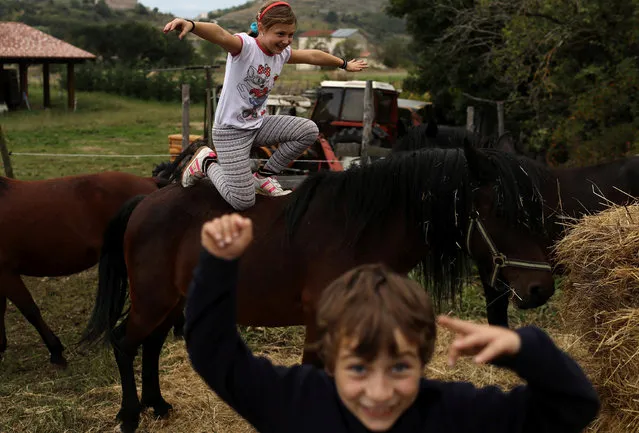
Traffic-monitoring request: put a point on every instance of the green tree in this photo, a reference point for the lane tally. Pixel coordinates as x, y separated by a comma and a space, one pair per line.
566, 69
210, 52
331, 17
394, 52
348, 49
103, 9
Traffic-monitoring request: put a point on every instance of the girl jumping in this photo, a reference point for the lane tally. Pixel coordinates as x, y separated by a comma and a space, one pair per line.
253, 66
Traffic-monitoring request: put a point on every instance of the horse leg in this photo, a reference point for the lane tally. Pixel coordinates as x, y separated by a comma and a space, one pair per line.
125, 349
3, 332
149, 327
151, 348
178, 326
309, 304
311, 356
496, 304
18, 293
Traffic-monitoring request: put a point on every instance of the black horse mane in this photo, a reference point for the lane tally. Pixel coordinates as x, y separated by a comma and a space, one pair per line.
432, 187
170, 171
518, 189
519, 178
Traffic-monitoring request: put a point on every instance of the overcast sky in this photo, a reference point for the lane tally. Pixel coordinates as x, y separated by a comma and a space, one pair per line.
190, 8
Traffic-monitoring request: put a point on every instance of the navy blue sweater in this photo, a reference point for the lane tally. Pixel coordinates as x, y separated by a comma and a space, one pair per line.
303, 399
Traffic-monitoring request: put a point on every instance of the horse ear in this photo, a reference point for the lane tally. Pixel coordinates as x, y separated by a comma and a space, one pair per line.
479, 165
505, 143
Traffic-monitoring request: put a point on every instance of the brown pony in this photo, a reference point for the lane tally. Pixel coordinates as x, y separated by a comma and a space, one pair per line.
416, 209
54, 227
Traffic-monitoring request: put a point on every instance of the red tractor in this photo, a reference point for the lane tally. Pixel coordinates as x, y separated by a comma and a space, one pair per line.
339, 112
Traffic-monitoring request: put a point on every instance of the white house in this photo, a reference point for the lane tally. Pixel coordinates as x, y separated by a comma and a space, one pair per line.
327, 40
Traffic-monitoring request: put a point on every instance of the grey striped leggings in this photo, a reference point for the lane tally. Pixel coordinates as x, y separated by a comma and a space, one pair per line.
232, 174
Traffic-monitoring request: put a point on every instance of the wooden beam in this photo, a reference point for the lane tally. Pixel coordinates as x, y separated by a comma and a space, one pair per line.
46, 97
470, 118
4, 152
500, 118
70, 86
369, 115
24, 81
186, 103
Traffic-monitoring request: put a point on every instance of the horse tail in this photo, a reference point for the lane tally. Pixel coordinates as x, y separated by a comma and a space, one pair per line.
113, 281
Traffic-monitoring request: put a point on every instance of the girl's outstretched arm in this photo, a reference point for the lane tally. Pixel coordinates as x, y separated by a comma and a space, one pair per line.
208, 31
320, 58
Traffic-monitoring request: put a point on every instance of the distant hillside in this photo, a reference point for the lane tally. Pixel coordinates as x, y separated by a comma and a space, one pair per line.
366, 15
58, 16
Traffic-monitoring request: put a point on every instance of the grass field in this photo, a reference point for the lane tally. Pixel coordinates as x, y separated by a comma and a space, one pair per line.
34, 396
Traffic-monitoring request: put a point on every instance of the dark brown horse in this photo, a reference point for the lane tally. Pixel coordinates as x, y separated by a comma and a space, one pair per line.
54, 227
566, 193
407, 210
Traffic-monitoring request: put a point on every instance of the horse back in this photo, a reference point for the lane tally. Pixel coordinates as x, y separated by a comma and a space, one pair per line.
55, 226
162, 243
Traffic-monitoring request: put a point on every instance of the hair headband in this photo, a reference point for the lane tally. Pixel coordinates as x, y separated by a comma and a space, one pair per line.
271, 6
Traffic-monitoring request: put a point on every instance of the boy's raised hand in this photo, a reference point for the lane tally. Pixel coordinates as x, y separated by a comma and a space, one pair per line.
179, 25
484, 342
227, 236
356, 65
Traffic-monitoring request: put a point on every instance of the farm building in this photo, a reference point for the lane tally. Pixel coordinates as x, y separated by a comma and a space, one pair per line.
328, 40
24, 46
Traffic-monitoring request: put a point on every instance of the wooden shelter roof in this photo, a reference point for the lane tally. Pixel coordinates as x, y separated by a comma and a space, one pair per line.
20, 43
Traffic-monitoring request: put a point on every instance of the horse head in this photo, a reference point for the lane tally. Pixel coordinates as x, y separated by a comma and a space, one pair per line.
505, 231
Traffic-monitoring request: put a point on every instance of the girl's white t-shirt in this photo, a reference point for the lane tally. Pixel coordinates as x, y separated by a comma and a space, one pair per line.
250, 75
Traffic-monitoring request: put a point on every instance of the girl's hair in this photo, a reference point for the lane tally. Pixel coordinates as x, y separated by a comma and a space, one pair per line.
279, 14
368, 305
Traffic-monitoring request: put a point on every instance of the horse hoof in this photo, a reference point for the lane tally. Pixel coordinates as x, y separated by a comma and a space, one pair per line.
160, 409
128, 423
125, 428
58, 360
163, 410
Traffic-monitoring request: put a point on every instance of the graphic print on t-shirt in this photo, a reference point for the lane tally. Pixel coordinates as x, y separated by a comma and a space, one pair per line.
255, 89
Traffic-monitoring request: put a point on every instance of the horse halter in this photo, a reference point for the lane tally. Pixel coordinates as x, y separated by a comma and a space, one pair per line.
499, 260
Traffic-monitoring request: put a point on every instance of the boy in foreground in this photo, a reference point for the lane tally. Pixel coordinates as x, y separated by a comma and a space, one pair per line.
377, 333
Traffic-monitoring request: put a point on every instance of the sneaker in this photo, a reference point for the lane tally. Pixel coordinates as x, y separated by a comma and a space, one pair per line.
194, 169
268, 186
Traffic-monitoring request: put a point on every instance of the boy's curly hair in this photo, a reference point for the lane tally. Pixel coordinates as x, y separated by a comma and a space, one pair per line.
368, 304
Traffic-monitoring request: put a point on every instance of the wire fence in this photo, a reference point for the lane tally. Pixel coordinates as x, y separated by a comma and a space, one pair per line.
156, 155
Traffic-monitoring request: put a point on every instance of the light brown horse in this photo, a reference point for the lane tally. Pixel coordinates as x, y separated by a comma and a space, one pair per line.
54, 227
420, 208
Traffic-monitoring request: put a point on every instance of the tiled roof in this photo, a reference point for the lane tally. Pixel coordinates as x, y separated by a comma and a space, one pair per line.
315, 33
343, 33
18, 40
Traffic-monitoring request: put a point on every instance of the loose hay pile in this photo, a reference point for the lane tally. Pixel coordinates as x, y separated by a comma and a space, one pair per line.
601, 301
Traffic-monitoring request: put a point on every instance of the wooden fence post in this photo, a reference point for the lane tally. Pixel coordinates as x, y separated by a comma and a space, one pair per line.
500, 118
186, 101
470, 118
369, 115
6, 160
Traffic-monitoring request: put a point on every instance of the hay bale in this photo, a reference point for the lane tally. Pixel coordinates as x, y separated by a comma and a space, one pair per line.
601, 301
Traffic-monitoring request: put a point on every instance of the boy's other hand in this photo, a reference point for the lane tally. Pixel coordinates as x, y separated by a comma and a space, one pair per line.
356, 65
179, 25
483, 342
227, 236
